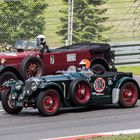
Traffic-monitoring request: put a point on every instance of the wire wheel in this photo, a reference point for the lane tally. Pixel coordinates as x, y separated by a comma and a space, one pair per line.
80, 92
128, 95
4, 78
31, 66
33, 69
48, 102
7, 104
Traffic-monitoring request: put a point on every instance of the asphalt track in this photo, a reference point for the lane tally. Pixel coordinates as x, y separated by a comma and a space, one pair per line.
30, 125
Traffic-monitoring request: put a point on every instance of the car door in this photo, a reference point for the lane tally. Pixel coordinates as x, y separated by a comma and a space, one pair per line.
57, 61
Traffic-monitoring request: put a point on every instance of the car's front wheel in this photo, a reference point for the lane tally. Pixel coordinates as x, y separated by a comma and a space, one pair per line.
6, 76
128, 95
7, 105
48, 102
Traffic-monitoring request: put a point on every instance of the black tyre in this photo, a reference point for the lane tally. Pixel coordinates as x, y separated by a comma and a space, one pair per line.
6, 76
128, 95
8, 107
80, 92
98, 68
48, 102
31, 66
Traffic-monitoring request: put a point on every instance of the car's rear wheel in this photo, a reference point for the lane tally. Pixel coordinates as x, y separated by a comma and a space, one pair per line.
80, 92
98, 68
128, 95
48, 102
6, 76
31, 66
7, 105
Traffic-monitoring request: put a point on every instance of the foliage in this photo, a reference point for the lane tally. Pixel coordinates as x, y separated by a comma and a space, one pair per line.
88, 21
21, 19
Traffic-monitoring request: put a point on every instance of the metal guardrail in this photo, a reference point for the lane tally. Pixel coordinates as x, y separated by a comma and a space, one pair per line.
126, 53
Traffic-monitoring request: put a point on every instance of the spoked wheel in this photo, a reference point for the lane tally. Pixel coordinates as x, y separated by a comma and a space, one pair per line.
7, 104
80, 91
6, 76
32, 66
128, 95
98, 68
33, 69
48, 102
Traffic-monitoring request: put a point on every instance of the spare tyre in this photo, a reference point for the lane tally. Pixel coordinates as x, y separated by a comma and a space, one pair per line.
80, 92
31, 66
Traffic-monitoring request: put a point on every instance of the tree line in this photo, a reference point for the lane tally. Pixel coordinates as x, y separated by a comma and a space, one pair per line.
25, 19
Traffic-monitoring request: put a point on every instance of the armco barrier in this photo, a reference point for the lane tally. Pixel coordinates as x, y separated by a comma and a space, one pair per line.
126, 52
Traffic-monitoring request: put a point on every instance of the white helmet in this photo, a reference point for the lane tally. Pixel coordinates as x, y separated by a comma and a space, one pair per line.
41, 39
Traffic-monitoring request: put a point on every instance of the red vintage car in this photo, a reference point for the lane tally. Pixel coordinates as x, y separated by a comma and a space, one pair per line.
28, 61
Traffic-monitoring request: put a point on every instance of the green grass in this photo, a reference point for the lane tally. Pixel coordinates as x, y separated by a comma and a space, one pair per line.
122, 30
53, 16
134, 69
121, 137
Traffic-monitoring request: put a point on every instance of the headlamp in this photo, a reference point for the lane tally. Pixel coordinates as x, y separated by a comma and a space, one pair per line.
34, 85
18, 85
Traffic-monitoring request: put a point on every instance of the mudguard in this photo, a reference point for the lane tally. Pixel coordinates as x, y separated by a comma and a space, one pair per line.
119, 84
54, 86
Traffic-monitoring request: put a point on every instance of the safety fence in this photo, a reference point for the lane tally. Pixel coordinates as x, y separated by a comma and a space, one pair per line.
126, 53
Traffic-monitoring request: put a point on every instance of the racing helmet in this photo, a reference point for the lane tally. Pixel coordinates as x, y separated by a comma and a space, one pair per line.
85, 62
41, 40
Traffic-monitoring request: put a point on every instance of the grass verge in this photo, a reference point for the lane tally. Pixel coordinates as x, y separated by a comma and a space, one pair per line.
121, 137
134, 69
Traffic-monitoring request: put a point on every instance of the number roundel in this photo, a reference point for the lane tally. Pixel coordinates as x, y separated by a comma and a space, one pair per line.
99, 84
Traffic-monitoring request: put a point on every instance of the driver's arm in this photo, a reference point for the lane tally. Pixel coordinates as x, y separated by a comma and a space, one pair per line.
45, 48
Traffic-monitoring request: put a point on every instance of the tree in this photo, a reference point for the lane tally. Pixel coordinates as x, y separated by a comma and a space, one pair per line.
88, 21
21, 19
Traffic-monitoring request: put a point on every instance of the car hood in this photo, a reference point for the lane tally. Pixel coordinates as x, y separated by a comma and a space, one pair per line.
16, 54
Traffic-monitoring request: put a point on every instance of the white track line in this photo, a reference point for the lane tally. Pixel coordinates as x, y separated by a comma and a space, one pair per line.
1, 110
123, 132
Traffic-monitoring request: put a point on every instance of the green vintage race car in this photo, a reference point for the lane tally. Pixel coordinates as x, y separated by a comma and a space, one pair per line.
50, 93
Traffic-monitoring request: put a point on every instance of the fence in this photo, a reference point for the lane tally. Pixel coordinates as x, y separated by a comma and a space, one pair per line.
127, 53
123, 19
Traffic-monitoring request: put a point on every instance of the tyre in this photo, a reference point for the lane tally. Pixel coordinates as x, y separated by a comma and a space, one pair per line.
48, 102
31, 66
128, 95
98, 68
5, 77
7, 105
80, 92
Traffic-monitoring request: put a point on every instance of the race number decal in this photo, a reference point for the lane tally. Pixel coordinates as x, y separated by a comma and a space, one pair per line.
99, 84
52, 59
71, 57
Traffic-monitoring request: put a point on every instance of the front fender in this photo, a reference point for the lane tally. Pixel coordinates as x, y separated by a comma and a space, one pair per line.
12, 69
52, 85
9, 83
117, 86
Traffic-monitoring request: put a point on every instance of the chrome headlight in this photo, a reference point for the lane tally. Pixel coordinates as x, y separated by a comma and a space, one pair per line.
34, 85
19, 85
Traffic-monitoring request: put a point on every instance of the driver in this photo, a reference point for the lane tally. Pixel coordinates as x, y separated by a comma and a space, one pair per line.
85, 67
41, 40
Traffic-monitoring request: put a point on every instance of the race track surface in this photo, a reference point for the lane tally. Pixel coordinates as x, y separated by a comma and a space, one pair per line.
30, 125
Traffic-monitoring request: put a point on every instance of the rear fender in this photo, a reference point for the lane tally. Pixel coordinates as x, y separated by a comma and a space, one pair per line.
119, 84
